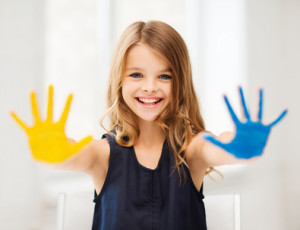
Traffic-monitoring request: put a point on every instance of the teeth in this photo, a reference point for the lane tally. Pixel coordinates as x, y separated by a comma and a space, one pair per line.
146, 100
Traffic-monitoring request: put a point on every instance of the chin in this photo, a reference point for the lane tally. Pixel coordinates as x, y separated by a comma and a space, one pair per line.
148, 118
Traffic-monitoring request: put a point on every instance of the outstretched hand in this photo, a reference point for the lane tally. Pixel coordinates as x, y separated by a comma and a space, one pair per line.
251, 136
47, 139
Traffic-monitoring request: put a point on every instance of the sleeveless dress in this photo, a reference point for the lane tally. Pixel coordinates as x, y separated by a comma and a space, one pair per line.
136, 197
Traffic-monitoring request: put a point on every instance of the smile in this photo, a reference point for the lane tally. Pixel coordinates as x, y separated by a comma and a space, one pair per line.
149, 101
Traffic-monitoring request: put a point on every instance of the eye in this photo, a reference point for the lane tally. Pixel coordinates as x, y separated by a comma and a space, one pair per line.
136, 75
165, 76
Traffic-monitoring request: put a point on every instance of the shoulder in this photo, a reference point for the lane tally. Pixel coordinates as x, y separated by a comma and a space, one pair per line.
101, 151
101, 146
193, 151
194, 154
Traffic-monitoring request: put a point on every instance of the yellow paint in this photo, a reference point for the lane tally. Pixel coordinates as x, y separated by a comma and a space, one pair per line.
47, 139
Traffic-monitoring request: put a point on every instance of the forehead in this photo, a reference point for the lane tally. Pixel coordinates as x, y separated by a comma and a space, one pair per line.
142, 56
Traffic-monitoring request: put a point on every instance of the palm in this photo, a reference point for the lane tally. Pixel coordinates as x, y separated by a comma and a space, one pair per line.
49, 143
250, 136
47, 139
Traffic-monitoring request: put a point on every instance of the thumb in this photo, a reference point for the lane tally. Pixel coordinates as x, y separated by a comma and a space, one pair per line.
79, 145
19, 121
213, 140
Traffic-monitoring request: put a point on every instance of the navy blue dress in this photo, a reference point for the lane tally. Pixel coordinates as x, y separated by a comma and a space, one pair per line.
136, 197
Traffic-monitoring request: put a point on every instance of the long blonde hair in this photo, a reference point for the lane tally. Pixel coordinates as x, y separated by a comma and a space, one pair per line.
182, 119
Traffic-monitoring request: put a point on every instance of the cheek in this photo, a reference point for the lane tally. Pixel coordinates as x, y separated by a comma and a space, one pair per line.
168, 91
126, 91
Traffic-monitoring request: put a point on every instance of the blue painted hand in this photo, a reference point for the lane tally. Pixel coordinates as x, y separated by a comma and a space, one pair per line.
250, 136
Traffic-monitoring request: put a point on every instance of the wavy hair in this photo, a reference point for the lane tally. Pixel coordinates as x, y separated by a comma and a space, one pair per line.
181, 120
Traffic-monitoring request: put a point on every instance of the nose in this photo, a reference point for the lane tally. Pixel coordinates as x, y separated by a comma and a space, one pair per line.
149, 86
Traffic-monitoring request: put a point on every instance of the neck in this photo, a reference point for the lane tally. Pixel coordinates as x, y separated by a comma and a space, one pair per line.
150, 134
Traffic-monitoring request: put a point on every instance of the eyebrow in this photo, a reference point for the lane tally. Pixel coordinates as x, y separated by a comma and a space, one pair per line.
139, 69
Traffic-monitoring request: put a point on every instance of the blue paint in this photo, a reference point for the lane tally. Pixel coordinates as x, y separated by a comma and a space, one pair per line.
251, 136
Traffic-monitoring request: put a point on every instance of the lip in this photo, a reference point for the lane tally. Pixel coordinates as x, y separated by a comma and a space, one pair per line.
149, 105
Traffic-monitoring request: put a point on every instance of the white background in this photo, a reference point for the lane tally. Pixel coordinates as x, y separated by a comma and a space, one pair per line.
69, 44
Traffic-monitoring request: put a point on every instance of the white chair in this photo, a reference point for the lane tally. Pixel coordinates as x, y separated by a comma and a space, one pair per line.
75, 211
223, 212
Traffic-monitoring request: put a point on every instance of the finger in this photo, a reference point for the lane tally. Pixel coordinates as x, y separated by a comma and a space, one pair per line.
83, 143
260, 105
279, 118
213, 140
65, 113
34, 107
50, 104
232, 113
19, 121
246, 113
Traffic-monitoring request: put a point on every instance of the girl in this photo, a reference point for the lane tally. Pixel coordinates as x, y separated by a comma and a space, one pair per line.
156, 136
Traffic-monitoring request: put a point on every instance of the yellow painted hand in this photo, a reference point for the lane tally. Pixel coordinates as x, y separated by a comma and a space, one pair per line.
47, 139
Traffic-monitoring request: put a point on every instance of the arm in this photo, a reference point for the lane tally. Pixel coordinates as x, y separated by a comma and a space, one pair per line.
211, 155
90, 159
242, 147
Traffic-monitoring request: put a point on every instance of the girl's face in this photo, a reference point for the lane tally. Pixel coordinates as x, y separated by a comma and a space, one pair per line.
147, 85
